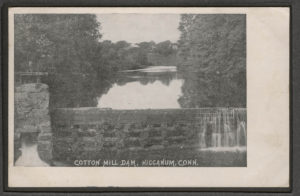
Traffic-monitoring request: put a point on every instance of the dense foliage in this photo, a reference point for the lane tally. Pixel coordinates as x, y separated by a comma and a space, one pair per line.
70, 49
212, 50
211, 57
67, 47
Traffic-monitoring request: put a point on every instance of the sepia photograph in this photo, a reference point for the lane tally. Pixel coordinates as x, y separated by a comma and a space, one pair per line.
189, 97
130, 90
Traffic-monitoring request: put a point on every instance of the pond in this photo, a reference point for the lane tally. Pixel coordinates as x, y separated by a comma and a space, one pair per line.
155, 87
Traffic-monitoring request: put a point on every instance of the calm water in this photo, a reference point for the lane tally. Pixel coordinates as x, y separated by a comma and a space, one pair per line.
150, 88
156, 87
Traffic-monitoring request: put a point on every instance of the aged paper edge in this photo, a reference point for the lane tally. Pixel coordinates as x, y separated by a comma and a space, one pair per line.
267, 115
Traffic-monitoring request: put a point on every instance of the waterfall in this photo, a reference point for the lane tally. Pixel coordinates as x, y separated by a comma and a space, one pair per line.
223, 128
216, 132
241, 134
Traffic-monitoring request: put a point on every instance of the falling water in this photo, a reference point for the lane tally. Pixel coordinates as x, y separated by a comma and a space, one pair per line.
223, 129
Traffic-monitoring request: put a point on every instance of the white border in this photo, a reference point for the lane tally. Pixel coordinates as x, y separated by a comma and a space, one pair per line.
267, 116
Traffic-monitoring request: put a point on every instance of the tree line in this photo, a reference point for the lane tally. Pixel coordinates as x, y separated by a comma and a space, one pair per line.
80, 63
72, 43
210, 56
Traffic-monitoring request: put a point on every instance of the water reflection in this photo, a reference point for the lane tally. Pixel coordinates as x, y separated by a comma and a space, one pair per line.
151, 88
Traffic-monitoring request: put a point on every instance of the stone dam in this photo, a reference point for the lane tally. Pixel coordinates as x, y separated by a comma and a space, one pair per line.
213, 136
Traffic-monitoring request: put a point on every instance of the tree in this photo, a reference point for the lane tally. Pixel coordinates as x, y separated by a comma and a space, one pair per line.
164, 48
212, 49
146, 46
67, 46
61, 39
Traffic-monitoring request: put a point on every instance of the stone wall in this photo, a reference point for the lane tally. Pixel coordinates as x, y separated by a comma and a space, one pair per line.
31, 117
93, 133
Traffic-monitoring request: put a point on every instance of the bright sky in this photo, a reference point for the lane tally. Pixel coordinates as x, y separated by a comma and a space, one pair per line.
135, 28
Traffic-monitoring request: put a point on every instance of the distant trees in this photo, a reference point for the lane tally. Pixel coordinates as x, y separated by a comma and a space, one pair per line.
147, 46
70, 49
212, 51
124, 56
165, 48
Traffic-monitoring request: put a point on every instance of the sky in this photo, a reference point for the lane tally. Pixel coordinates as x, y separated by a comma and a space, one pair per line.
135, 28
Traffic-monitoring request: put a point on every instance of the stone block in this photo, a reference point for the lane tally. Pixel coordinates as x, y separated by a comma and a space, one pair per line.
156, 147
28, 129
88, 139
89, 148
135, 148
32, 87
45, 137
45, 129
91, 132
45, 152
110, 139
32, 115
